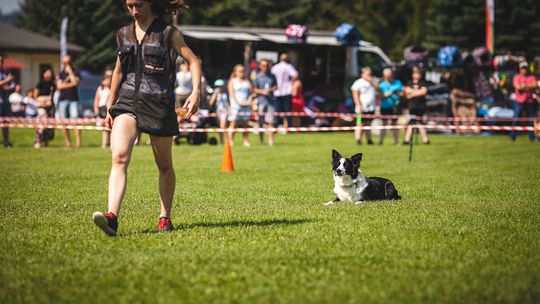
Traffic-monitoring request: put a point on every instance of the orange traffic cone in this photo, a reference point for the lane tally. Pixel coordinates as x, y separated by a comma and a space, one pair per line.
227, 163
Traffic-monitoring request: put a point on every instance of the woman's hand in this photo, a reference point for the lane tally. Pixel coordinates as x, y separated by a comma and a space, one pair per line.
108, 121
192, 104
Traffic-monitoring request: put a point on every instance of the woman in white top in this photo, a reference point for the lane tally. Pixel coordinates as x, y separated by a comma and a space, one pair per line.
100, 108
183, 81
240, 98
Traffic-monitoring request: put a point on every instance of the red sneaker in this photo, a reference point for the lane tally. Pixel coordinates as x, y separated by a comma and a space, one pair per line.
165, 224
107, 222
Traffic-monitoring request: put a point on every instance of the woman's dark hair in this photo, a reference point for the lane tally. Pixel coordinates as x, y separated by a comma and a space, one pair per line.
42, 74
164, 8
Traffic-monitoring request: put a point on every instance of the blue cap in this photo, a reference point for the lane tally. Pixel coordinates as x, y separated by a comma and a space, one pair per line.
219, 83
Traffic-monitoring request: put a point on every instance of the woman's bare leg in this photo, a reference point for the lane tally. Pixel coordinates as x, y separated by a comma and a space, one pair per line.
395, 132
245, 135
424, 135
408, 133
162, 148
123, 135
358, 132
383, 131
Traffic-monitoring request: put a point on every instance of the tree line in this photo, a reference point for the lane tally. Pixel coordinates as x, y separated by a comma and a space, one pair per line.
393, 25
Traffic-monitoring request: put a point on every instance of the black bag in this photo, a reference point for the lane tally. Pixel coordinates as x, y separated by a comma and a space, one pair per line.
102, 112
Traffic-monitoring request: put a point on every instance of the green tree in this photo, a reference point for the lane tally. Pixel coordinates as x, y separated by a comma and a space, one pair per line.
92, 25
455, 22
517, 26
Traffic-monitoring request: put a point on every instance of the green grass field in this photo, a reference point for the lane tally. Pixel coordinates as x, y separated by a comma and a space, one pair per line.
467, 229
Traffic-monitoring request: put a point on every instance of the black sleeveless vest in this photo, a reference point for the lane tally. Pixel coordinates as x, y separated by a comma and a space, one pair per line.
148, 78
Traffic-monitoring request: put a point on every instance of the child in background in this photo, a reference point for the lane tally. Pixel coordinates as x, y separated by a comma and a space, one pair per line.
16, 101
31, 109
100, 109
221, 99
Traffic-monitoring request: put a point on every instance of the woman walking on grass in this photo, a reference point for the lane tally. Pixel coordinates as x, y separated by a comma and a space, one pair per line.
142, 100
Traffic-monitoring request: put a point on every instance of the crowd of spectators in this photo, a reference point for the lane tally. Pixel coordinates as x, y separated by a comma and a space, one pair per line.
251, 98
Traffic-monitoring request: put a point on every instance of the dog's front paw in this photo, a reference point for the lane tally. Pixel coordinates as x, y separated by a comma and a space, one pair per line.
358, 203
330, 203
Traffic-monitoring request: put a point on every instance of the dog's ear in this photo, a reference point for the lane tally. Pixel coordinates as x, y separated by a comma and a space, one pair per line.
356, 159
336, 155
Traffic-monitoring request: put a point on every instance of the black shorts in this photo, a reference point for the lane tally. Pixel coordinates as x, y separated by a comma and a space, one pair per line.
419, 112
366, 120
388, 112
5, 109
102, 111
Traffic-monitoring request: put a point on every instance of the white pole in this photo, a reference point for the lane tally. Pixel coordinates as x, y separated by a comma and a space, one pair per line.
63, 40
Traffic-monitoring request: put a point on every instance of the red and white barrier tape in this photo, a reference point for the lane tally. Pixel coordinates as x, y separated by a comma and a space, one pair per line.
352, 128
350, 116
379, 116
72, 121
36, 125
291, 129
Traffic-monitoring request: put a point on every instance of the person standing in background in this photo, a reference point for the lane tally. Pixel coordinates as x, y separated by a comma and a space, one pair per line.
16, 101
415, 92
6, 85
285, 73
264, 86
524, 104
68, 85
297, 101
364, 93
30, 107
100, 108
391, 90
463, 103
183, 81
182, 91
43, 93
240, 90
221, 100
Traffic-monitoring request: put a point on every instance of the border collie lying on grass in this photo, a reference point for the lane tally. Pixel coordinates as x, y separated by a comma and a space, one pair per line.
352, 186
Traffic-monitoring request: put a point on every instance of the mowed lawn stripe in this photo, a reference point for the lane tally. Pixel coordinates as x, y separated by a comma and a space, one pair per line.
466, 230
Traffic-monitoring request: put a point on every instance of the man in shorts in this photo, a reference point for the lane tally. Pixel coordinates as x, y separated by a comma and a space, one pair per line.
364, 93
264, 86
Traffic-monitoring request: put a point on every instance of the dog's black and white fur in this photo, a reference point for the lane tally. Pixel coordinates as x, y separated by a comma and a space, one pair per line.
352, 186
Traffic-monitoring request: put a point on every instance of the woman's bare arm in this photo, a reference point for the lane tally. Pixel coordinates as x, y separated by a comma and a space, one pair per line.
113, 93
180, 46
